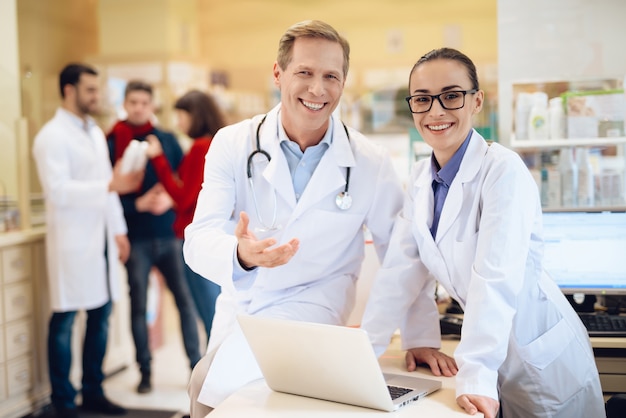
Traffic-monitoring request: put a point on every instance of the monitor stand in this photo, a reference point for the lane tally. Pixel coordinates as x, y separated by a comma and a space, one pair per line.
615, 304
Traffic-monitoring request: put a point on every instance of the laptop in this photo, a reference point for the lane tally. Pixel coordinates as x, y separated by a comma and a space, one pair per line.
328, 362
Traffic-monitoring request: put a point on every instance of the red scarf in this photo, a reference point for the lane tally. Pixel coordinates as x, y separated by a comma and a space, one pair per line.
123, 132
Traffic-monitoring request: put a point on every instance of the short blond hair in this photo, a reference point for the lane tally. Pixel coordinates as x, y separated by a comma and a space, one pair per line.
311, 29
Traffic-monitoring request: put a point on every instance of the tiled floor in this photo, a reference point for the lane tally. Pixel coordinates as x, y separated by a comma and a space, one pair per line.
169, 381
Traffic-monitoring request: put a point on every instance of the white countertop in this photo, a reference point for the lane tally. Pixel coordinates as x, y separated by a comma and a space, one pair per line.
21, 236
257, 400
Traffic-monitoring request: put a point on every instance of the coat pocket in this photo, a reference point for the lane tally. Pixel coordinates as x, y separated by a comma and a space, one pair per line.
554, 368
545, 349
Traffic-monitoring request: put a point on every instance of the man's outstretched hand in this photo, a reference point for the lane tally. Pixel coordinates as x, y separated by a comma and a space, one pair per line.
253, 252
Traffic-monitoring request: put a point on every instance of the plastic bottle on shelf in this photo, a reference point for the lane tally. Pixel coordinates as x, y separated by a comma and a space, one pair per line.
536, 173
624, 119
569, 177
557, 118
544, 190
523, 104
586, 183
538, 127
553, 187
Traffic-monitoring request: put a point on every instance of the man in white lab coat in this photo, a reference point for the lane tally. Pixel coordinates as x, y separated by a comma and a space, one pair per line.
86, 235
280, 219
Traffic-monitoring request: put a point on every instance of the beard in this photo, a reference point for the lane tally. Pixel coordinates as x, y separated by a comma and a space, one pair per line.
86, 107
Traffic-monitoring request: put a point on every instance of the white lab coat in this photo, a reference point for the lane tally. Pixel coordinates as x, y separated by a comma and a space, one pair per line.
75, 171
521, 341
318, 283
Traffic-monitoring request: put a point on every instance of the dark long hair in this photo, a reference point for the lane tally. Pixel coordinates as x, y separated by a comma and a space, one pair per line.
206, 115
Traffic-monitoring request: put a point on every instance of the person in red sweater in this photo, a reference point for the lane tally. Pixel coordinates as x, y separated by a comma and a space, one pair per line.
199, 117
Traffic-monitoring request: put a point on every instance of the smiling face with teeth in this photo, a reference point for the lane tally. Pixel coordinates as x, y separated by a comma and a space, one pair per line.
310, 88
444, 130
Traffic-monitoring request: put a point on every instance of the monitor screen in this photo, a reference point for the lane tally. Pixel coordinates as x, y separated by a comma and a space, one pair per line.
585, 252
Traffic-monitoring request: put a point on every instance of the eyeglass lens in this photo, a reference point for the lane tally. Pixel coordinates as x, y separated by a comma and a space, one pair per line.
449, 100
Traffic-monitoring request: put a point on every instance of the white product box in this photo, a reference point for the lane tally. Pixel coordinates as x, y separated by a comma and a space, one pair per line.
593, 114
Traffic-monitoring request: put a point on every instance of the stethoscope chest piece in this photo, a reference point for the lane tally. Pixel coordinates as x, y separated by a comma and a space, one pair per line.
343, 201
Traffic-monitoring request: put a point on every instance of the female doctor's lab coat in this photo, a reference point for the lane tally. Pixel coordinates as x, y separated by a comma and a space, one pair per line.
318, 283
75, 171
521, 342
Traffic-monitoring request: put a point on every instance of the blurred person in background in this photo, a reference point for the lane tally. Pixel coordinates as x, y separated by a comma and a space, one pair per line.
86, 236
199, 117
150, 219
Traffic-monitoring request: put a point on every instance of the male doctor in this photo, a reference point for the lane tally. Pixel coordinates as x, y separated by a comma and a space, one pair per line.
280, 219
86, 234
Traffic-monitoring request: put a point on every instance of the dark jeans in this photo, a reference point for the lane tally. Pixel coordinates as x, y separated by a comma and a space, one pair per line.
204, 293
166, 255
60, 355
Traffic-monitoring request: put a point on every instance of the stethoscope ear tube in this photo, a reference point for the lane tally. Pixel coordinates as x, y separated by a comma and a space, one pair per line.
251, 156
343, 199
258, 149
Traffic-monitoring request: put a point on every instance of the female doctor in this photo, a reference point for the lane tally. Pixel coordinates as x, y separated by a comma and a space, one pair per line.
472, 222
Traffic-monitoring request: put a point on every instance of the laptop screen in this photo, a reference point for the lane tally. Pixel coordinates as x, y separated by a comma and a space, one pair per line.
585, 252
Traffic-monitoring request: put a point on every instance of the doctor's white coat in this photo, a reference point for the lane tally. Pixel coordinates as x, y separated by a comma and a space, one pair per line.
75, 171
318, 283
521, 341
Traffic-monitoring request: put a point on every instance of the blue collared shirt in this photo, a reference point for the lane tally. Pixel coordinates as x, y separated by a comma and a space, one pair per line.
302, 165
442, 179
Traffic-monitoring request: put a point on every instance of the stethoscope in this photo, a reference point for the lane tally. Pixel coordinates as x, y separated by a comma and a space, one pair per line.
343, 199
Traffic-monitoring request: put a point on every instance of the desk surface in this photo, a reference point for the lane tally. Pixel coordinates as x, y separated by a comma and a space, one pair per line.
608, 342
257, 400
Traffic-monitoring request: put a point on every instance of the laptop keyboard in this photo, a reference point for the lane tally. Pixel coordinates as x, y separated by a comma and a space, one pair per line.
603, 325
396, 391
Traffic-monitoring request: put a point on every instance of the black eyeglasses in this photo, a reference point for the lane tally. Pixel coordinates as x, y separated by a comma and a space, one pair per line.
449, 100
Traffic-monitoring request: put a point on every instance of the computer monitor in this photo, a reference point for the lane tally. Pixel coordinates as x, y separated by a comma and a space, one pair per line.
585, 252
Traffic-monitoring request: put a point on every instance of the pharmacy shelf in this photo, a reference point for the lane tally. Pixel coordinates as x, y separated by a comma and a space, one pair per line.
609, 208
528, 144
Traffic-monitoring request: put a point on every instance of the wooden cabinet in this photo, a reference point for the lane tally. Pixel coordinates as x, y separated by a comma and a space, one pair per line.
610, 356
24, 317
18, 340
